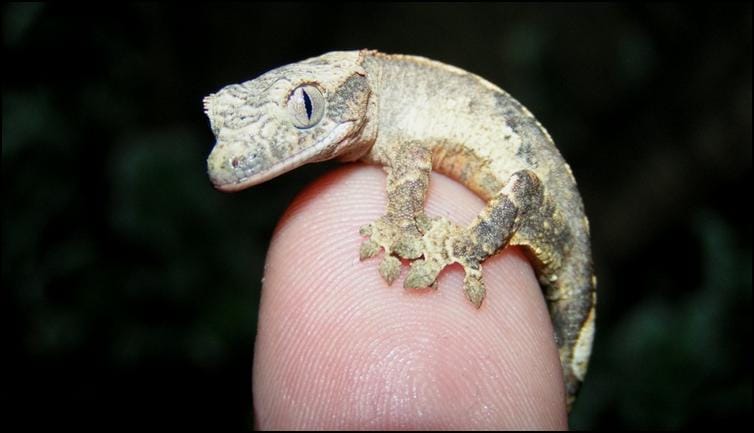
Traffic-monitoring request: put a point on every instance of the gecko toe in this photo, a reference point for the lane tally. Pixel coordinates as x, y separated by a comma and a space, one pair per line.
422, 274
365, 230
473, 285
368, 249
390, 268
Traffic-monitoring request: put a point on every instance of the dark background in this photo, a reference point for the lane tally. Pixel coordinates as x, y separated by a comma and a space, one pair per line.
130, 286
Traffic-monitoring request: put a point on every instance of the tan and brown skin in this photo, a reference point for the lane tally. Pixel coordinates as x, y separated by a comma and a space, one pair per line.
412, 115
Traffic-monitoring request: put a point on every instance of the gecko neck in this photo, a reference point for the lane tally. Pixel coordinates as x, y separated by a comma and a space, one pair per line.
363, 141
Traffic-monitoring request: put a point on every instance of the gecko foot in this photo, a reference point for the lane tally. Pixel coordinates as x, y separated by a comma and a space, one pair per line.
432, 244
444, 243
398, 241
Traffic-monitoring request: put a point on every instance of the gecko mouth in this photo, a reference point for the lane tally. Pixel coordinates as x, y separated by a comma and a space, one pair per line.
236, 173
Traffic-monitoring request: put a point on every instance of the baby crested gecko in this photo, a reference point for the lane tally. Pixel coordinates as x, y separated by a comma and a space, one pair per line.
412, 115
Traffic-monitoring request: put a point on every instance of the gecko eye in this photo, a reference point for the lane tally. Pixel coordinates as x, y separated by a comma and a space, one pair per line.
306, 106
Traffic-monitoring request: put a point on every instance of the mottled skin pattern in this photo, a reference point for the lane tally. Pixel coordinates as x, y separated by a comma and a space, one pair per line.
412, 115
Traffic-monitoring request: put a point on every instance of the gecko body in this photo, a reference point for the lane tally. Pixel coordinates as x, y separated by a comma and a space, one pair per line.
412, 115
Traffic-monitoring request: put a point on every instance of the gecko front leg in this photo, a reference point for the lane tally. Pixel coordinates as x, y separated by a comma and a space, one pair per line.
399, 232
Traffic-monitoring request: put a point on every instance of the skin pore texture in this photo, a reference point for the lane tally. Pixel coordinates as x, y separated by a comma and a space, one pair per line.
343, 350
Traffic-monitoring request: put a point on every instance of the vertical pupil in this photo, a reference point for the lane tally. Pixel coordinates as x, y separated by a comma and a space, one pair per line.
307, 104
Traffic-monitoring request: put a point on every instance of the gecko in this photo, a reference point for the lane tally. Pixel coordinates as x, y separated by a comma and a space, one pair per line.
412, 115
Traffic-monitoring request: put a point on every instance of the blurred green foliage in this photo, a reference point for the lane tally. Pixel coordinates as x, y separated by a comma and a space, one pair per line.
673, 358
131, 286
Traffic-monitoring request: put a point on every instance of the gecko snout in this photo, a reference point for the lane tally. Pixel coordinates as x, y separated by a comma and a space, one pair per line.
233, 166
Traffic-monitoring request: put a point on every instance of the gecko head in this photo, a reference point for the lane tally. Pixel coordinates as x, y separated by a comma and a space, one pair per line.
304, 112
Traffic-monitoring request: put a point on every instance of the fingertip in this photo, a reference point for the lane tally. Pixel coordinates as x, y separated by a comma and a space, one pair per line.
337, 347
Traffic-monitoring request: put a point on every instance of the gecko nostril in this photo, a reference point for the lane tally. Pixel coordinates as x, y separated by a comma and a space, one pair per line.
234, 162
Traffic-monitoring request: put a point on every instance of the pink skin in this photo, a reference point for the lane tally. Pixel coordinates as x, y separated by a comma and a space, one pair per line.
338, 348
